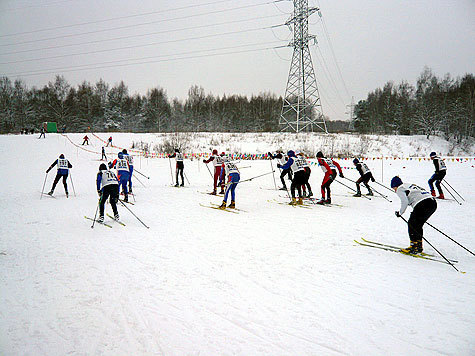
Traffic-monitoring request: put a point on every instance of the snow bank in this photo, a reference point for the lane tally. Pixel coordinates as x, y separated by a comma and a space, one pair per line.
271, 280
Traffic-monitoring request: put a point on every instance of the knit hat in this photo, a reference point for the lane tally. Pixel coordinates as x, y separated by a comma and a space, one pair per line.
396, 182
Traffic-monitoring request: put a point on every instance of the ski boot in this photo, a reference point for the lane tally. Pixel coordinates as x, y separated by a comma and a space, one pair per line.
126, 199
432, 192
300, 201
50, 193
177, 185
328, 201
67, 194
232, 205
116, 217
321, 201
100, 220
283, 188
441, 196
223, 205
358, 194
370, 193
182, 184
221, 191
310, 194
213, 192
293, 202
414, 248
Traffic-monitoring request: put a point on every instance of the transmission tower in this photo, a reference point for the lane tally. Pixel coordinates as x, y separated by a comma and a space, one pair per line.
302, 108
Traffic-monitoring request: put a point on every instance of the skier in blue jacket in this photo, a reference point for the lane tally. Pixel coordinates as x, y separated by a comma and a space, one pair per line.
63, 170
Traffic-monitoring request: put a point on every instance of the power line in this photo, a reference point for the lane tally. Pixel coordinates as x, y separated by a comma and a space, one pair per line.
327, 73
70, 69
135, 25
36, 6
112, 18
157, 43
327, 35
122, 38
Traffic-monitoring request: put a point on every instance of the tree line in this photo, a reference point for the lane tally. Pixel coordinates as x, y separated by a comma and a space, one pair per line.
435, 106
100, 107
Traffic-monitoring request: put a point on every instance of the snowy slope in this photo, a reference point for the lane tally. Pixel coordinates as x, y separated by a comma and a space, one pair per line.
272, 280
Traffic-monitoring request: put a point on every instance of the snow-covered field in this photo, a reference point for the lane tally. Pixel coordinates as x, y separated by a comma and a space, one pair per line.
270, 280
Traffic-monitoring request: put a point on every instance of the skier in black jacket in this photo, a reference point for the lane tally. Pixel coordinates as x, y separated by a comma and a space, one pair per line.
365, 176
439, 174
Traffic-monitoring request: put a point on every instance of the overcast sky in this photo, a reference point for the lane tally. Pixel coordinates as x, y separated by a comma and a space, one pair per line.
228, 47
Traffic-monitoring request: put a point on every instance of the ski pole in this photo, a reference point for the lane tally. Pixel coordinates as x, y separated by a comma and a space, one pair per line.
351, 189
141, 174
186, 178
382, 185
453, 189
209, 171
95, 215
382, 195
43, 189
72, 184
138, 180
260, 175
125, 205
450, 263
432, 226
273, 176
453, 196
171, 172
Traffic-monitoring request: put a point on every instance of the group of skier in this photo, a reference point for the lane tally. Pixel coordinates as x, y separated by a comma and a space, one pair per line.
107, 182
293, 165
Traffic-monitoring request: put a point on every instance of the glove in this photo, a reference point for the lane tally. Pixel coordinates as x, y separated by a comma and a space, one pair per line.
99, 192
204, 161
397, 213
341, 175
279, 165
47, 171
373, 180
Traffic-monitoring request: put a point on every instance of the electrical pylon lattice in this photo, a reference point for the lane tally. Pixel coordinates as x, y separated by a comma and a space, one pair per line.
302, 108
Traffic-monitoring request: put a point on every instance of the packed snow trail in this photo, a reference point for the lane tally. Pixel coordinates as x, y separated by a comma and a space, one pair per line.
273, 280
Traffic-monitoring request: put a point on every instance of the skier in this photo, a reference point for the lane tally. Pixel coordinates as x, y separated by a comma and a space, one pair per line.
107, 186
103, 157
179, 166
122, 167
42, 133
109, 141
299, 175
217, 163
307, 170
329, 167
129, 159
86, 140
439, 174
281, 159
423, 206
365, 176
232, 172
63, 170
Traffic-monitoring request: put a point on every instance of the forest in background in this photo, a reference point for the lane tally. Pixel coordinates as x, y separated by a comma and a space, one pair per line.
435, 106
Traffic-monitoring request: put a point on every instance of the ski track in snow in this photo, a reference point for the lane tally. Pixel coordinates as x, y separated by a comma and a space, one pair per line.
271, 280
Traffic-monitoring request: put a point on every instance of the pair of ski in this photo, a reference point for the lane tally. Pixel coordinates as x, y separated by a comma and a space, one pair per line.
304, 206
392, 248
217, 207
105, 224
